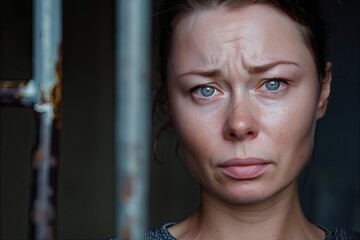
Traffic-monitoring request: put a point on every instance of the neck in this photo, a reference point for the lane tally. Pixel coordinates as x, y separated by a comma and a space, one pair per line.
280, 217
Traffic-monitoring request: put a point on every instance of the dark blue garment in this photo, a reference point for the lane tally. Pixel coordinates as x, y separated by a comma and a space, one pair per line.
160, 232
333, 233
337, 233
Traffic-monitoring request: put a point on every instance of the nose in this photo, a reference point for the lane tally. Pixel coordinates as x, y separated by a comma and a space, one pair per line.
241, 122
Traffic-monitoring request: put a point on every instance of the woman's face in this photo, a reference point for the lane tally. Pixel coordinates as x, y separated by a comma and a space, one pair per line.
244, 99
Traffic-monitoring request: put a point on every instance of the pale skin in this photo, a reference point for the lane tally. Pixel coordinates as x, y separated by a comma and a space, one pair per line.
243, 85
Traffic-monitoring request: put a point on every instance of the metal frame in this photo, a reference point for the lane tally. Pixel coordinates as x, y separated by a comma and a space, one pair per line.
43, 94
132, 116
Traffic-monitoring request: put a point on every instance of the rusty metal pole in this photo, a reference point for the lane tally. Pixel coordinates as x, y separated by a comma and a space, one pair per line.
43, 93
132, 117
47, 79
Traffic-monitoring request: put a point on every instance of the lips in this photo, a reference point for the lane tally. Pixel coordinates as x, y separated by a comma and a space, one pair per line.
242, 169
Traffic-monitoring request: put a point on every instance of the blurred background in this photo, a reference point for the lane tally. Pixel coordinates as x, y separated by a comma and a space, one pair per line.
330, 192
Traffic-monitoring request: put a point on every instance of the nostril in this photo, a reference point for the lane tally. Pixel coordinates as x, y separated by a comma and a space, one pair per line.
240, 133
232, 135
248, 134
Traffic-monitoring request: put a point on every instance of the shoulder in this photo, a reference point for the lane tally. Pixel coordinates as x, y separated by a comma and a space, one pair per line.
338, 233
160, 232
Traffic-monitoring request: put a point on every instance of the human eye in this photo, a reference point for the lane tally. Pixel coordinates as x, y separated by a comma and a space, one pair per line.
274, 86
204, 93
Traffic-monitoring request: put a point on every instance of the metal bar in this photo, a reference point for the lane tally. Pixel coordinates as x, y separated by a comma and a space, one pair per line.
43, 93
16, 93
132, 124
47, 80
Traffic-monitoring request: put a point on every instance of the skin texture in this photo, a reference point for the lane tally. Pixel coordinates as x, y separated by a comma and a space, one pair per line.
263, 101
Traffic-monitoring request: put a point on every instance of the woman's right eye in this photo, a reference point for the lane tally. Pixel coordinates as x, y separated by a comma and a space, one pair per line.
204, 91
207, 91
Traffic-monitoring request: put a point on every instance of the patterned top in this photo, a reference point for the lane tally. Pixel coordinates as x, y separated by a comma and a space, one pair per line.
333, 233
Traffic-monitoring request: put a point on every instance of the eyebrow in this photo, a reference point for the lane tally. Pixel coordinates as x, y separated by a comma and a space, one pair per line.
211, 73
251, 69
268, 66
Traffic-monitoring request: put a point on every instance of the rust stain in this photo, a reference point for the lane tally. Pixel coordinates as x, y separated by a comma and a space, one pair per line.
125, 232
53, 161
38, 157
50, 233
12, 84
56, 90
56, 93
41, 213
126, 188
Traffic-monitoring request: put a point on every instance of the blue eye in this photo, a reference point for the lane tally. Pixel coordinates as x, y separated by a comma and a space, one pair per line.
207, 91
272, 85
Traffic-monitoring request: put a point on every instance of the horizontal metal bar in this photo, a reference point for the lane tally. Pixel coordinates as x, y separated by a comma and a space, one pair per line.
17, 93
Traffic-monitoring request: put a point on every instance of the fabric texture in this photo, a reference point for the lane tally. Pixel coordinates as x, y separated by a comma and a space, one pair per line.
333, 233
160, 232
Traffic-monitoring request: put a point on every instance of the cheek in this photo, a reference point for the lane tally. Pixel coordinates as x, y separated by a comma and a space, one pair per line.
195, 126
193, 148
294, 134
195, 133
198, 135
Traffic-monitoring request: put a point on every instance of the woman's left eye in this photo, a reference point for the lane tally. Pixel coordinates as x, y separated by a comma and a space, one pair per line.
274, 86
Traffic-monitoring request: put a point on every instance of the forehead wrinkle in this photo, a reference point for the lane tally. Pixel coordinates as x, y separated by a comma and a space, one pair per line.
203, 47
232, 52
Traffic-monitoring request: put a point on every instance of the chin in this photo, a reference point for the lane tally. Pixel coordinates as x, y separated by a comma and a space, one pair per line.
249, 194
246, 199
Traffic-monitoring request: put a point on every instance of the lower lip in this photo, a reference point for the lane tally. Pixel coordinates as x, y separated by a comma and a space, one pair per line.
246, 171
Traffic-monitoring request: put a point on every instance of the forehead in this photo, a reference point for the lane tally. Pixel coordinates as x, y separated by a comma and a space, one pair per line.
228, 18
257, 32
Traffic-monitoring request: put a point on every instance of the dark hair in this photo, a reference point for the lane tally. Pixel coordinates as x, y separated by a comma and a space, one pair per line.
307, 13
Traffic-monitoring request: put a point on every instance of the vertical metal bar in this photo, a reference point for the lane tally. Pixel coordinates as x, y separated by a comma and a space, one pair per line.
132, 121
47, 78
